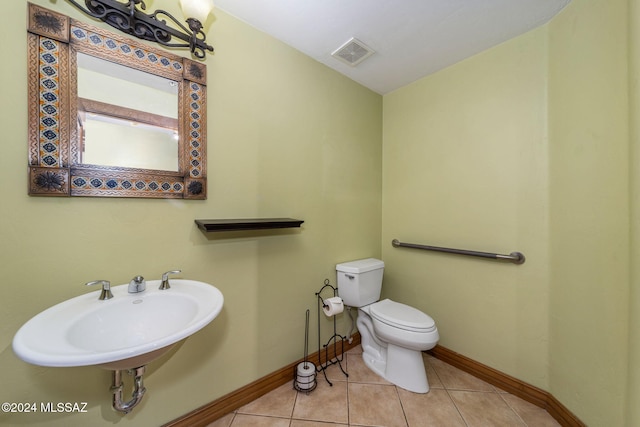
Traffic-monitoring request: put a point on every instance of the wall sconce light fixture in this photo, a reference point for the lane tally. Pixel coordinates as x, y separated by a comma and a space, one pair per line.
128, 18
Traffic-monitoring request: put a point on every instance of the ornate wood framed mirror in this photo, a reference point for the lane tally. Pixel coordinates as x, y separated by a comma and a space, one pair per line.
110, 116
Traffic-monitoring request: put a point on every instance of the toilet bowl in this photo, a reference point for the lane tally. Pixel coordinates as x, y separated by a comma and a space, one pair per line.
394, 351
393, 335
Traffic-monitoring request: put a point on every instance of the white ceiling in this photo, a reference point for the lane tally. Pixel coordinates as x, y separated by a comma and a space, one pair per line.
412, 38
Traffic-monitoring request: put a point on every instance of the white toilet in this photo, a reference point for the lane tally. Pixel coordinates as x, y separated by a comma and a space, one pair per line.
393, 334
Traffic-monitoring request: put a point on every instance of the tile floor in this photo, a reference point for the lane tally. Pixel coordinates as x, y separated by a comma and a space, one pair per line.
364, 399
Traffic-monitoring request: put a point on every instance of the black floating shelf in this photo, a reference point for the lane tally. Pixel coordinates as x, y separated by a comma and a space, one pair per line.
210, 225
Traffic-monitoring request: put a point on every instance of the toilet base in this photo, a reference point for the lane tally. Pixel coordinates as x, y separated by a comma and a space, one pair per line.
402, 367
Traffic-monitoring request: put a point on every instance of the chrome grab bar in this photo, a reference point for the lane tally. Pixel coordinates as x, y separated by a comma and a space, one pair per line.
514, 257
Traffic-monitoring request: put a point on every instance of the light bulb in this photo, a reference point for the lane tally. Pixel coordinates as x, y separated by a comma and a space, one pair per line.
197, 9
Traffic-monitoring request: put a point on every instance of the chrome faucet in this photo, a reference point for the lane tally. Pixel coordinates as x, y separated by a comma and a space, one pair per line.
106, 288
137, 284
165, 279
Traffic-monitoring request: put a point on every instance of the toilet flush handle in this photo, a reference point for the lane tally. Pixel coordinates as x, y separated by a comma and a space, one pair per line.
349, 276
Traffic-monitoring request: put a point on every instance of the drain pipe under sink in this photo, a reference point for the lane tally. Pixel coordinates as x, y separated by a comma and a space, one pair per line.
138, 391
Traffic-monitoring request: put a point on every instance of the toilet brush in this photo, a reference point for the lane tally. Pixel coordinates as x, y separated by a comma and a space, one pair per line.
305, 374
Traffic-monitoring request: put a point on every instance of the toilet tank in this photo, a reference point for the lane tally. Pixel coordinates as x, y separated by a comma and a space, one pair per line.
360, 281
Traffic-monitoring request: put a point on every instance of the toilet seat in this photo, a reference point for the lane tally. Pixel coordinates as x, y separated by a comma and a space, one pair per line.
402, 316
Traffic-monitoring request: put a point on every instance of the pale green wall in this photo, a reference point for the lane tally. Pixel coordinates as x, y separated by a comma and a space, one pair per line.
633, 410
465, 166
589, 209
525, 147
287, 137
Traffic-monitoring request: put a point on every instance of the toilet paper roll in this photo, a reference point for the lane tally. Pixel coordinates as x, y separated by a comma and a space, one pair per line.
306, 377
333, 306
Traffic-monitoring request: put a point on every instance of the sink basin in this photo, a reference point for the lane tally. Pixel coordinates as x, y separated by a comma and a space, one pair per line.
124, 332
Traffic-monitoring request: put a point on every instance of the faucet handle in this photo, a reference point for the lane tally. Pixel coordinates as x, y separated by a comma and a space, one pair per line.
137, 284
165, 279
106, 288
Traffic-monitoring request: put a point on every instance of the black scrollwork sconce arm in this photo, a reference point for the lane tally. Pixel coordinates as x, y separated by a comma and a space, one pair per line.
127, 18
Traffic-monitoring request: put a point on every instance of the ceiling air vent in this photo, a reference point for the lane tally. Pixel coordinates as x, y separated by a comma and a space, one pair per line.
353, 52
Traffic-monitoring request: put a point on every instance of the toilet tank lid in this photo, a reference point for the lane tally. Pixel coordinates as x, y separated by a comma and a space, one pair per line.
360, 266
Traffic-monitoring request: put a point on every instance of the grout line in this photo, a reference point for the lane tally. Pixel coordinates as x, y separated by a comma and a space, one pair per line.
456, 406
406, 420
446, 389
346, 359
261, 416
293, 408
232, 418
512, 409
494, 391
467, 390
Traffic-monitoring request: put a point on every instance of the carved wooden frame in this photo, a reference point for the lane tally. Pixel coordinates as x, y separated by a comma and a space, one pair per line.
54, 140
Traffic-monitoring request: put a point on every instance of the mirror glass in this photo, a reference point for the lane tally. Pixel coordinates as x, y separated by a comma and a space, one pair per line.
126, 117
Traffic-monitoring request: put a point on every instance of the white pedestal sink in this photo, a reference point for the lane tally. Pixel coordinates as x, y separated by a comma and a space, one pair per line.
124, 332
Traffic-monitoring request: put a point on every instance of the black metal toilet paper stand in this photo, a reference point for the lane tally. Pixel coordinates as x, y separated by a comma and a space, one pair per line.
335, 359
